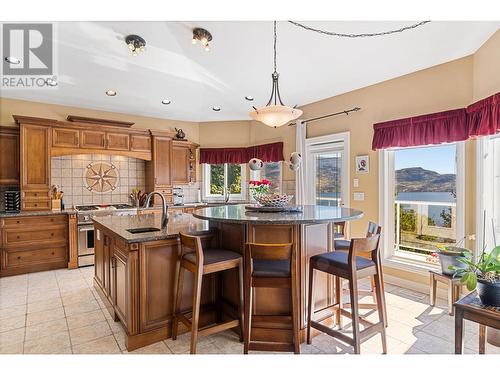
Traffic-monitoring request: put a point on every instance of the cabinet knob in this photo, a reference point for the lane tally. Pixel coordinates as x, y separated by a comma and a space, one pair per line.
18, 221
52, 253
52, 234
35, 194
18, 237
36, 204
52, 219
18, 257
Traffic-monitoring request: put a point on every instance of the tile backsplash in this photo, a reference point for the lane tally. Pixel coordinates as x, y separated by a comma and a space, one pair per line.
68, 173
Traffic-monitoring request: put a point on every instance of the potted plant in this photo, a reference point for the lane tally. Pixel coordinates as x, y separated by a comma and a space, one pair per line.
258, 187
450, 256
482, 274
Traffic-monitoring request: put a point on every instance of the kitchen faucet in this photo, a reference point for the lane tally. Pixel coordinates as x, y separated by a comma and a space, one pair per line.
164, 216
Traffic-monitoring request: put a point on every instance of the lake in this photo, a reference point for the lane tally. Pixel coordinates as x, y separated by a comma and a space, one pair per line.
430, 196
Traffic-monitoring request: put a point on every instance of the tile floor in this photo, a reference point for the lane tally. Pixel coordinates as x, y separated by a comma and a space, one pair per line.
59, 312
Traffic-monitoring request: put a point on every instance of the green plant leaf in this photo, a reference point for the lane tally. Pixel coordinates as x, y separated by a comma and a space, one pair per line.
471, 281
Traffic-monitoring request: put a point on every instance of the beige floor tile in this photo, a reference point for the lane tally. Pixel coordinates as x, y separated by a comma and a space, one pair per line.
44, 316
120, 339
15, 348
72, 297
309, 349
10, 312
49, 304
228, 342
12, 300
156, 348
330, 345
13, 322
85, 319
45, 329
57, 343
183, 343
72, 285
81, 307
89, 333
433, 344
12, 337
103, 345
42, 295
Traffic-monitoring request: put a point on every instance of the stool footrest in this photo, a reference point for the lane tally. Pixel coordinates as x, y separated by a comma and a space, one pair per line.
332, 332
271, 346
218, 328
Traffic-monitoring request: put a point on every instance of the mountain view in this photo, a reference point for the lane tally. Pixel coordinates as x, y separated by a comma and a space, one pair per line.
417, 179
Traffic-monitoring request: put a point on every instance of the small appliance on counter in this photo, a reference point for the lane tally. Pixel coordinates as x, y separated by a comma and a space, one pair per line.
178, 196
12, 201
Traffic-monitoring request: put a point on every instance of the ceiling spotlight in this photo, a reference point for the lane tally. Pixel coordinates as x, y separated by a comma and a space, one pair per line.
216, 109
203, 36
135, 44
111, 93
165, 101
249, 98
51, 82
12, 60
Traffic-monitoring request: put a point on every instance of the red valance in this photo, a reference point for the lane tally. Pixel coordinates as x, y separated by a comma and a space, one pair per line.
435, 128
271, 152
483, 117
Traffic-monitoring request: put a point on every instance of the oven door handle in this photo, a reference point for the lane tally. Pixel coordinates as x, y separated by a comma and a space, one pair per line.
87, 228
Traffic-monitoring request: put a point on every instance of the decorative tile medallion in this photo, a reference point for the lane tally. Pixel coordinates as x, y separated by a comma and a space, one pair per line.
101, 177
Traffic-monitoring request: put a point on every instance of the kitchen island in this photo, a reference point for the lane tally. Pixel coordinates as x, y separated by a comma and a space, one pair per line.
310, 231
135, 273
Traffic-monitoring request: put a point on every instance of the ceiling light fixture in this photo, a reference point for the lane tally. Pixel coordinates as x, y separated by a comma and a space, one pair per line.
203, 36
12, 60
165, 101
135, 44
249, 98
275, 113
216, 109
111, 93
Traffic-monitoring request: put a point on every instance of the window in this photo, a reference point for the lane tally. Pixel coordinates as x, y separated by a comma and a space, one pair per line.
422, 198
271, 172
224, 180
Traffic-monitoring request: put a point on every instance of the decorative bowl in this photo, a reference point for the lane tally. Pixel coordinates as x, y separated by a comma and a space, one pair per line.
273, 200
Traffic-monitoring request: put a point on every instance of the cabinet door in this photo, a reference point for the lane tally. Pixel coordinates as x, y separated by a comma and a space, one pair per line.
35, 157
162, 159
9, 156
99, 257
140, 143
65, 137
117, 141
119, 292
180, 165
93, 139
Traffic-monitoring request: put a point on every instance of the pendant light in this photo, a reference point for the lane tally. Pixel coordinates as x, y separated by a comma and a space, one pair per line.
275, 113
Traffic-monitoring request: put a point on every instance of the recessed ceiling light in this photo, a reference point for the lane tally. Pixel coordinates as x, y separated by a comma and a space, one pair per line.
249, 98
165, 101
12, 60
216, 109
51, 82
111, 93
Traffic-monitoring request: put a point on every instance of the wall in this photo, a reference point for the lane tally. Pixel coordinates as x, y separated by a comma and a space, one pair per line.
486, 68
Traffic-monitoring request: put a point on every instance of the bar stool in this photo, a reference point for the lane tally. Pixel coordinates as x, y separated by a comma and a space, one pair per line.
194, 258
344, 245
350, 266
271, 266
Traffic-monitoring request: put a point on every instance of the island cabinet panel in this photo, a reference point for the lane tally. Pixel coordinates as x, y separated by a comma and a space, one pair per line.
63, 137
117, 141
92, 139
99, 264
9, 156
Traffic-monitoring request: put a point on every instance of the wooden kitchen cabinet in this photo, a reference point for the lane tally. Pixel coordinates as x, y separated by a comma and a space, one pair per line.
9, 156
62, 137
180, 164
117, 141
158, 170
93, 139
140, 143
119, 287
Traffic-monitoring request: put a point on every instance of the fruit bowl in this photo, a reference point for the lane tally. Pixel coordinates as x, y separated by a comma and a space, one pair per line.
273, 200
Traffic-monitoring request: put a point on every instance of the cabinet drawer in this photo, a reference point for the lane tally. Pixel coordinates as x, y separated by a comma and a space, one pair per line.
166, 191
35, 194
14, 258
35, 205
33, 236
36, 221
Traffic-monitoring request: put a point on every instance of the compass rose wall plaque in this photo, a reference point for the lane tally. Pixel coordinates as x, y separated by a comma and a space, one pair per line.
101, 177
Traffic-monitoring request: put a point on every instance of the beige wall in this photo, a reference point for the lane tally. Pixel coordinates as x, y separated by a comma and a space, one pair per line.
486, 69
9, 107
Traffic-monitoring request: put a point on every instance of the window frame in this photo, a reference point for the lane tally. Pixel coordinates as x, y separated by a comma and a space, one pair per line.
222, 197
386, 208
257, 175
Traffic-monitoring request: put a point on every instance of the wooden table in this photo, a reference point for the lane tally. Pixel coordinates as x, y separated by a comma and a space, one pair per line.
471, 308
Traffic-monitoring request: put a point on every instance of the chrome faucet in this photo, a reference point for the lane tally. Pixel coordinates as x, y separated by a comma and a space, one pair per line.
164, 216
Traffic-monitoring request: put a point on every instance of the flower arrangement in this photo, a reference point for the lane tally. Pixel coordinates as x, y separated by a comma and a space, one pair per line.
259, 186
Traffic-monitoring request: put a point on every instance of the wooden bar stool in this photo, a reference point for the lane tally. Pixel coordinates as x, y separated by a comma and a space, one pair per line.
194, 258
271, 266
344, 245
350, 266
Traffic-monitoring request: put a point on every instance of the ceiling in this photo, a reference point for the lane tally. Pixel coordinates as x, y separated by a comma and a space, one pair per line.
93, 57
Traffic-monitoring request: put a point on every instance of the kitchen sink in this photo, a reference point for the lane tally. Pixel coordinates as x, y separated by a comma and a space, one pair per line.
142, 230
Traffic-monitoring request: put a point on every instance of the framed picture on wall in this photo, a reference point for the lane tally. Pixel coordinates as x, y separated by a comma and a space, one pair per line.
362, 164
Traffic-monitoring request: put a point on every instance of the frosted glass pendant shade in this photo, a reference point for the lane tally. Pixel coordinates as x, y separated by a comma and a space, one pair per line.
275, 115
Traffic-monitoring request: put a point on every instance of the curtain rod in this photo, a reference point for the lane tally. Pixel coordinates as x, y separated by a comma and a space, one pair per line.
346, 112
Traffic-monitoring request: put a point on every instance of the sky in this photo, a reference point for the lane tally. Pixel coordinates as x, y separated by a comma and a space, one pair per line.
440, 159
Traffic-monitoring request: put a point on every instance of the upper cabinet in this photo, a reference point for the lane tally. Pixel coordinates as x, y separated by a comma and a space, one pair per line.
183, 162
9, 156
62, 137
162, 161
93, 139
140, 143
35, 157
117, 141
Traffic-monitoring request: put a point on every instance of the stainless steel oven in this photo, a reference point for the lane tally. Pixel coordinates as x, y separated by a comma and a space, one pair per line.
85, 245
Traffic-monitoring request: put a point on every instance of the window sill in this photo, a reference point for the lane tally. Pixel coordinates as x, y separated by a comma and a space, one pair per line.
409, 264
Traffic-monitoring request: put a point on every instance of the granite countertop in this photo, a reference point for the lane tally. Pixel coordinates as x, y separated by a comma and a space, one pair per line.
36, 213
310, 214
177, 222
